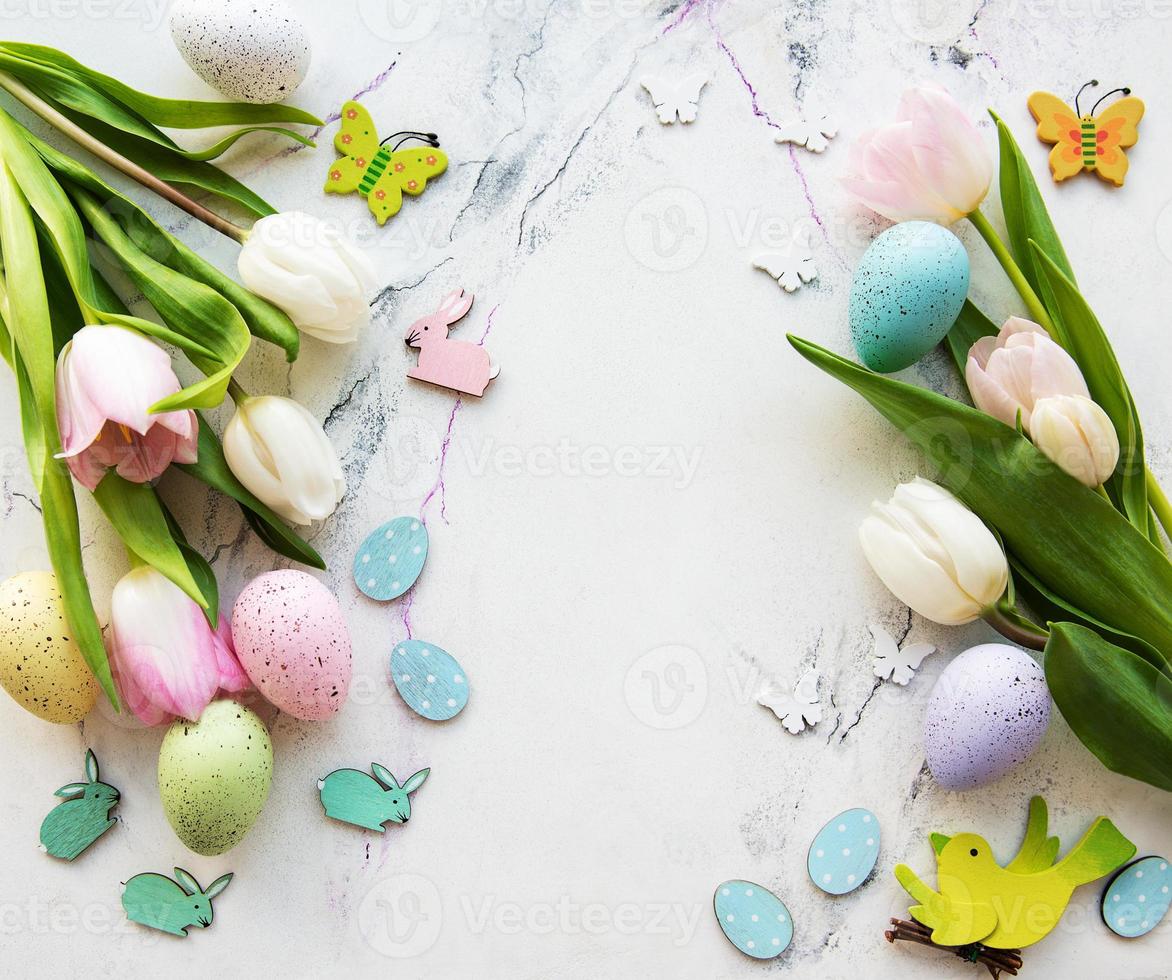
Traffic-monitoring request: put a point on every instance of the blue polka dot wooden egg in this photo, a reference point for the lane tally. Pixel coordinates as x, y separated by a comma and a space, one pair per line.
753, 919
389, 561
1138, 897
429, 679
844, 853
907, 292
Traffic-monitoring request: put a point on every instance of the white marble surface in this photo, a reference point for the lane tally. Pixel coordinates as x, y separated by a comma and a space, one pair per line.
655, 466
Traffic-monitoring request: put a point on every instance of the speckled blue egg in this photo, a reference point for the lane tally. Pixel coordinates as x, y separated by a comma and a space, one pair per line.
906, 294
429, 679
389, 561
1138, 897
754, 920
844, 852
986, 714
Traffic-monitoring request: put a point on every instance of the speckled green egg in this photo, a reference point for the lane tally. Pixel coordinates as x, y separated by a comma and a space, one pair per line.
907, 293
214, 776
41, 667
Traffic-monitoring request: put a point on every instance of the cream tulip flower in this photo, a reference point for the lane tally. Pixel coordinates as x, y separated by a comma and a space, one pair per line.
280, 452
1077, 435
934, 554
310, 271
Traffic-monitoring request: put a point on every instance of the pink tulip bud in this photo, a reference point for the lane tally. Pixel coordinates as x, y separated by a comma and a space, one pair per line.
931, 164
1014, 370
166, 659
107, 380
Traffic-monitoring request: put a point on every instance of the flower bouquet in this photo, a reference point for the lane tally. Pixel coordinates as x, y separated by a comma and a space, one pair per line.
1067, 556
98, 396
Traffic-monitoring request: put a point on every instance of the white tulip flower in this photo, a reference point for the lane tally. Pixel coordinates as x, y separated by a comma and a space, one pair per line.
934, 553
1078, 436
280, 452
308, 269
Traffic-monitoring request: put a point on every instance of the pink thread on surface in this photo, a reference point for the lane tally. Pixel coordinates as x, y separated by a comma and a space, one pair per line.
680, 17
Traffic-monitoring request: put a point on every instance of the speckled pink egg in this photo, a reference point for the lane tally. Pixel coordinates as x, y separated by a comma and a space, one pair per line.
292, 641
987, 713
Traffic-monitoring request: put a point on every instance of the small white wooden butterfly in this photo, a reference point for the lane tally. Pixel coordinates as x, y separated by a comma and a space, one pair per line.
814, 136
892, 663
796, 709
675, 98
790, 267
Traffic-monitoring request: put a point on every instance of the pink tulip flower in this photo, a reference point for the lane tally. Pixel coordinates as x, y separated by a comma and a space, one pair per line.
107, 380
1020, 366
166, 659
931, 164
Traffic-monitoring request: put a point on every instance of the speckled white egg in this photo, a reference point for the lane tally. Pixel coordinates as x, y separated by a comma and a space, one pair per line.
41, 667
292, 641
247, 50
214, 776
987, 713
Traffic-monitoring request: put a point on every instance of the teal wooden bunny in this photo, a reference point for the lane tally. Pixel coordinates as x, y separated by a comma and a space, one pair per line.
354, 797
171, 906
70, 827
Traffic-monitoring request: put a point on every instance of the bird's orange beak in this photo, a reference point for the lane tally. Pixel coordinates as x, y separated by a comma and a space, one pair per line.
938, 842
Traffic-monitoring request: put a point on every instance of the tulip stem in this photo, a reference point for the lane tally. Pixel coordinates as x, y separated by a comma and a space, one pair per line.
1159, 503
1016, 628
31, 100
239, 395
1013, 270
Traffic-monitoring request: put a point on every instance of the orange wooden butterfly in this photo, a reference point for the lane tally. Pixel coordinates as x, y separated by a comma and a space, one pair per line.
1088, 142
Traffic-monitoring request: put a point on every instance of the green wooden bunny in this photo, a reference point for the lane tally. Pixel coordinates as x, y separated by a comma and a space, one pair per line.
354, 797
171, 906
70, 827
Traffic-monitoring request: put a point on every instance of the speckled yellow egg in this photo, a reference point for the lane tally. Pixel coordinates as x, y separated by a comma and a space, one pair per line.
214, 776
41, 667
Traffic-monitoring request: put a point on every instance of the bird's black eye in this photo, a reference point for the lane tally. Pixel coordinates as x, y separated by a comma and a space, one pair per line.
425, 328
973, 852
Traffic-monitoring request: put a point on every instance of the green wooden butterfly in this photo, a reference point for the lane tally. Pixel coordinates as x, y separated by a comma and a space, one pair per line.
379, 173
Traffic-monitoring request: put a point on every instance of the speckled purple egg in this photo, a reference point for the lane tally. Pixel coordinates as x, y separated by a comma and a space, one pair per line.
292, 641
987, 713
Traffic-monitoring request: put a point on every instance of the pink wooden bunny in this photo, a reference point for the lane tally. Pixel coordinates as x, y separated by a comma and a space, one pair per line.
455, 364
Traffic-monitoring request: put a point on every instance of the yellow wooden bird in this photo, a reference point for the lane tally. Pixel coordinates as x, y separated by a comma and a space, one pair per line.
1009, 908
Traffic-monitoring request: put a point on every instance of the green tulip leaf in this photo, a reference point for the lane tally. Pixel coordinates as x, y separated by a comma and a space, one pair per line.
26, 335
1084, 339
1070, 538
1026, 217
1118, 704
194, 311
970, 327
201, 570
174, 113
141, 522
263, 318
212, 468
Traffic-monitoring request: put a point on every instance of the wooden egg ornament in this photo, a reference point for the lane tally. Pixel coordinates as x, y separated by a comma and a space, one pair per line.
455, 364
390, 559
247, 50
429, 680
73, 825
214, 776
369, 801
1086, 141
1137, 898
753, 919
292, 640
41, 666
987, 713
906, 294
844, 852
158, 902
